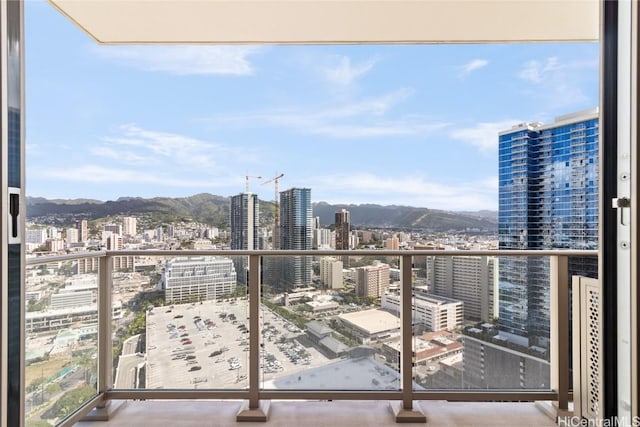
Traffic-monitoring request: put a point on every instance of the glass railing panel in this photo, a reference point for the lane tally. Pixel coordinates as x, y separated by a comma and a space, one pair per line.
484, 322
326, 332
61, 331
184, 323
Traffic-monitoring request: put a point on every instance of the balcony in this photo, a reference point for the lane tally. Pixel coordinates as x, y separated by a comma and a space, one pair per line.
241, 351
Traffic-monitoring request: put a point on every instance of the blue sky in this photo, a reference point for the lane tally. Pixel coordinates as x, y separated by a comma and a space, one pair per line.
407, 124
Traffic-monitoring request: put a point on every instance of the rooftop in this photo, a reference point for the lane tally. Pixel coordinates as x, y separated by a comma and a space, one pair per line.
374, 321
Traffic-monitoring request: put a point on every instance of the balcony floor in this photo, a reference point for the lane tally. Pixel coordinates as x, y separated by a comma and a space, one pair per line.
322, 413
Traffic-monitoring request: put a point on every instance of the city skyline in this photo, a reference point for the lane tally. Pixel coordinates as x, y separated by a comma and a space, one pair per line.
386, 124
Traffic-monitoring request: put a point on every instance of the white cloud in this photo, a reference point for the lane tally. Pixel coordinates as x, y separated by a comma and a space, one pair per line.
108, 175
411, 190
183, 60
364, 119
134, 157
559, 83
535, 71
128, 157
344, 73
472, 66
484, 135
160, 147
392, 128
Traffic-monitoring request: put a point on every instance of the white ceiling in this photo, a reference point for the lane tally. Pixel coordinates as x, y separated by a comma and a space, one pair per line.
332, 21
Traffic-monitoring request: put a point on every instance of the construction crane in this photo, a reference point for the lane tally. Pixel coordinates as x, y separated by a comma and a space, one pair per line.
276, 217
246, 181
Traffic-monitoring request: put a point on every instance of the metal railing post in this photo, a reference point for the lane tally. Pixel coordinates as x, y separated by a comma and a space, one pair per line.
560, 339
105, 309
255, 411
104, 409
406, 412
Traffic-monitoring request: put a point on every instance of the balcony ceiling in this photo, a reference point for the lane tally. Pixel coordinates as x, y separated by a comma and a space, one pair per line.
332, 21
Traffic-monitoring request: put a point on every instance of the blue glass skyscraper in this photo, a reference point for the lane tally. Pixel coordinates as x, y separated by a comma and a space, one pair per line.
548, 199
296, 233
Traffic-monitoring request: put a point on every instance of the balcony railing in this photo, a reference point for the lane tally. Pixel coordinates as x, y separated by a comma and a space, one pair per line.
254, 393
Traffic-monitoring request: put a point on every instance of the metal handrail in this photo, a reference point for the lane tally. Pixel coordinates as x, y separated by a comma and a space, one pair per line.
66, 257
351, 252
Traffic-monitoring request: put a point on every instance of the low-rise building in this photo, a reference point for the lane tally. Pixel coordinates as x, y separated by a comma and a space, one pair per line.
53, 320
433, 313
429, 347
371, 325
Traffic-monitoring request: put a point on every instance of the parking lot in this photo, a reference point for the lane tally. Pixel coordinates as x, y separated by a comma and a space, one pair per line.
205, 345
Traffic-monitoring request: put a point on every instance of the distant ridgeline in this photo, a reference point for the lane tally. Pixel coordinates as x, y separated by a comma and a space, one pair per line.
214, 210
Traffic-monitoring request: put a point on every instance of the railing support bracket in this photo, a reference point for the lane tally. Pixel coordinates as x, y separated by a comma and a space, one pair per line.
551, 410
403, 415
105, 411
259, 414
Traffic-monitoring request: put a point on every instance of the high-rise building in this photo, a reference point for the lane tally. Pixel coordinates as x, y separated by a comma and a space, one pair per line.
53, 232
114, 228
72, 235
130, 226
371, 280
83, 230
38, 236
244, 216
470, 279
296, 225
55, 245
343, 225
322, 238
114, 243
548, 199
392, 243
331, 273
190, 279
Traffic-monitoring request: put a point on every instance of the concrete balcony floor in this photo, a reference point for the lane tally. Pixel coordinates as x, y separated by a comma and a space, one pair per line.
322, 414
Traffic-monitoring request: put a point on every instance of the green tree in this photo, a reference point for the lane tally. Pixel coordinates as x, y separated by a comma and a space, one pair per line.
35, 305
88, 364
33, 385
70, 401
37, 423
53, 388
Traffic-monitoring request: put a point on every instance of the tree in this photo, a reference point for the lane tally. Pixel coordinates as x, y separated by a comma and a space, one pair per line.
53, 388
70, 401
37, 423
35, 305
88, 364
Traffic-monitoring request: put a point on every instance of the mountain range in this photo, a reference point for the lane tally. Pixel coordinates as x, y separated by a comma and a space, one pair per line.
214, 210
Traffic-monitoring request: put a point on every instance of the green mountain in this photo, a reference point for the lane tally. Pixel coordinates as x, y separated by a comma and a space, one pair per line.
370, 215
214, 210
